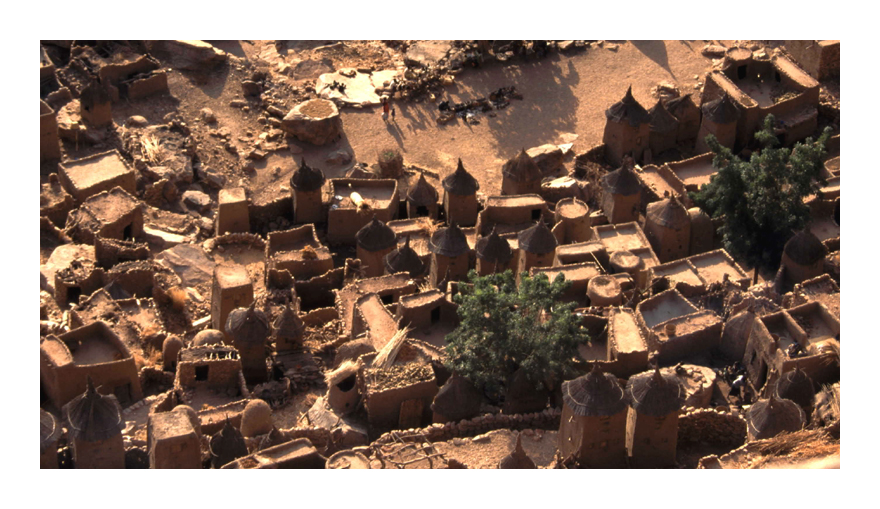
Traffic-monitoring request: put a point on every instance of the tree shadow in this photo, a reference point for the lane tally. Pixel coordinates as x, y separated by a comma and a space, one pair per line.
656, 51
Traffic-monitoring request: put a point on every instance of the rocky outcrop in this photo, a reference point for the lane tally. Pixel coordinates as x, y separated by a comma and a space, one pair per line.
315, 121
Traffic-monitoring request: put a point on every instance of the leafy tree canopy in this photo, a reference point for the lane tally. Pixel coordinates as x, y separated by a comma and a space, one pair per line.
504, 328
761, 200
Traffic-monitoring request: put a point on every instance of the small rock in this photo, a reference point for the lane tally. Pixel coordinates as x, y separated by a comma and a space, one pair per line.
565, 45
136, 121
207, 115
611, 47
275, 111
238, 103
251, 88
256, 155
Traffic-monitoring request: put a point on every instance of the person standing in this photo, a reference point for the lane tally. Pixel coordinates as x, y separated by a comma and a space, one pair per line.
386, 106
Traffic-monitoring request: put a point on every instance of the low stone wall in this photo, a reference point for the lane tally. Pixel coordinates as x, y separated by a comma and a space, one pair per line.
712, 426
547, 419
253, 240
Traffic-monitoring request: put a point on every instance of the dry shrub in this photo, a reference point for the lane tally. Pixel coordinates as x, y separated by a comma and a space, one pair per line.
178, 298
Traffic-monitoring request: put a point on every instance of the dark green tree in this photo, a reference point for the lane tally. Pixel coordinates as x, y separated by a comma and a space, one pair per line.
504, 328
761, 200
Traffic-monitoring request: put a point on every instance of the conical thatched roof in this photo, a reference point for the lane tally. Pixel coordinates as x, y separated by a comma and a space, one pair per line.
518, 457
93, 417
494, 249
628, 110
376, 236
449, 242
622, 181
227, 445
669, 213
538, 239
522, 168
679, 105
662, 121
248, 325
306, 178
461, 182
273, 438
404, 259
595, 394
770, 417
288, 324
721, 110
50, 430
805, 248
458, 399
797, 386
422, 194
655, 394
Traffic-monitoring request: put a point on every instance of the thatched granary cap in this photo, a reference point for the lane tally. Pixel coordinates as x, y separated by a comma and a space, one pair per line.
655, 394
538, 239
461, 182
622, 181
376, 236
422, 194
770, 417
522, 168
805, 248
518, 457
92, 416
50, 430
306, 178
458, 399
669, 213
449, 242
404, 259
227, 445
679, 105
208, 337
595, 394
628, 109
494, 249
288, 324
662, 121
248, 325
797, 386
721, 110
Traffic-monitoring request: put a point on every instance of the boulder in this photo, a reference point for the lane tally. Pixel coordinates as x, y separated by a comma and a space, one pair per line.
197, 200
548, 158
191, 55
426, 53
190, 263
315, 121
713, 51
339, 157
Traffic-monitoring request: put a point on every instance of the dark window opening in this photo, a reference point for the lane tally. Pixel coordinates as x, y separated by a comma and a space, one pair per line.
347, 384
73, 294
536, 214
126, 233
781, 138
387, 299
123, 394
201, 373
742, 72
421, 211
435, 315
778, 78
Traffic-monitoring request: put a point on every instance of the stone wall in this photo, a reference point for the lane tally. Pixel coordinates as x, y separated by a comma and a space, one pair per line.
711, 425
547, 419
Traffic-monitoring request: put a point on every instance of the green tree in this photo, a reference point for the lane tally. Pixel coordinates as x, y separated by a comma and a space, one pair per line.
761, 200
504, 328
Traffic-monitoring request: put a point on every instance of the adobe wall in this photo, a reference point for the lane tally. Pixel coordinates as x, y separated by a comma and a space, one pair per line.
261, 214
444, 268
69, 381
307, 207
50, 147
109, 252
155, 83
668, 244
511, 187
320, 290
596, 442
820, 59
621, 139
651, 441
383, 408
223, 374
621, 209
320, 317
686, 345
373, 262
461, 209
108, 453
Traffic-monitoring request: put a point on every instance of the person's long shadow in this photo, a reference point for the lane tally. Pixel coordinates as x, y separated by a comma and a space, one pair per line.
656, 51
